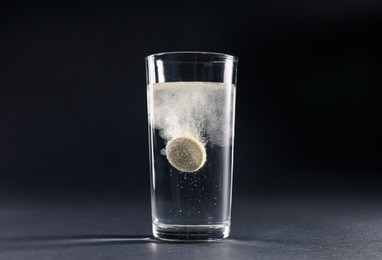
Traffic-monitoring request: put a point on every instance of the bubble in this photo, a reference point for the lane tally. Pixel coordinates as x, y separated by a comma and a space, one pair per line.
192, 108
189, 115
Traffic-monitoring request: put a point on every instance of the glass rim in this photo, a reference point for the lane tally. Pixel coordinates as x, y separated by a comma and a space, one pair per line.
217, 54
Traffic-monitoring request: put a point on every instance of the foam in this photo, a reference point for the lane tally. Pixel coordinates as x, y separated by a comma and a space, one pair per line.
197, 109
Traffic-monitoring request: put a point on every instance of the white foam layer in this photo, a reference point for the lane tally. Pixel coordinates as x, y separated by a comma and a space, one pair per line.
199, 109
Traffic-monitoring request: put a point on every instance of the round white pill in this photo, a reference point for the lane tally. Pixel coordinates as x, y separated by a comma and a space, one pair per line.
186, 153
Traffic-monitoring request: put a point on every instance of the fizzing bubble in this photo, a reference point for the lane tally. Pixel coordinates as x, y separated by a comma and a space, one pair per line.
188, 115
190, 109
186, 153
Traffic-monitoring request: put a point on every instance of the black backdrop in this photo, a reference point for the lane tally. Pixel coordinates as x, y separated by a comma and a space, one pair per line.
73, 100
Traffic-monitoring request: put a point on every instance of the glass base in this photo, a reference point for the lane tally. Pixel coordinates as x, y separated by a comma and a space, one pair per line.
191, 233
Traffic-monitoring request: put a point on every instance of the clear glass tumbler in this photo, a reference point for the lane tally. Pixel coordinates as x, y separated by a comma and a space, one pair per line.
191, 115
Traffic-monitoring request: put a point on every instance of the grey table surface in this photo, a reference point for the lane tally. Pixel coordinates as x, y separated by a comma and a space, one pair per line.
107, 228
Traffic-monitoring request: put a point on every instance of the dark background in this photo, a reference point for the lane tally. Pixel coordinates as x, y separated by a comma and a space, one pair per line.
73, 99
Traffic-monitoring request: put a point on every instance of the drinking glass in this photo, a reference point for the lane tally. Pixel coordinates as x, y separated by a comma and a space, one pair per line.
191, 116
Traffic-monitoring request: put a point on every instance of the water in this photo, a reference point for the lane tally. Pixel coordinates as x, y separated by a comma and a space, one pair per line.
192, 205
